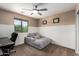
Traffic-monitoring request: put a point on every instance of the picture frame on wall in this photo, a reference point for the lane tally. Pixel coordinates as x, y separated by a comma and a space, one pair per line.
56, 20
44, 22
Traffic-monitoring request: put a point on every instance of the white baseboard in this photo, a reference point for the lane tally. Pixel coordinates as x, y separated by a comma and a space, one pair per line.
19, 44
59, 44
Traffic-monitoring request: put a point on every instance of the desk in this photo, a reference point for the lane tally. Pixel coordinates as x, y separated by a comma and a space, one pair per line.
5, 42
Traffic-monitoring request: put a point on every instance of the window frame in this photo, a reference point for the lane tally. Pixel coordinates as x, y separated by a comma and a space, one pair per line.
21, 24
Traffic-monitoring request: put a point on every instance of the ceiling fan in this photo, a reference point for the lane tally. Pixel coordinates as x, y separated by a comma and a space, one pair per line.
36, 10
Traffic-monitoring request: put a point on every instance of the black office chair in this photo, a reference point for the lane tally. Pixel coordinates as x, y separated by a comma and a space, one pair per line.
7, 49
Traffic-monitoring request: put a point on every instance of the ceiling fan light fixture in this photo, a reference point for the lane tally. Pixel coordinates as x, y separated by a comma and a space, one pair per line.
35, 11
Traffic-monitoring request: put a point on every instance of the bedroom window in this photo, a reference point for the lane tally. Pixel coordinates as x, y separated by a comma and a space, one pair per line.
20, 25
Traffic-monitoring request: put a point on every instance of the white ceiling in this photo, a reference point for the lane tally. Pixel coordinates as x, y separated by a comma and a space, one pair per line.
53, 8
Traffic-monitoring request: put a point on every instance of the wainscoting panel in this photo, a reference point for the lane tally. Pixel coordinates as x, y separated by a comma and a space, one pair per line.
62, 35
6, 30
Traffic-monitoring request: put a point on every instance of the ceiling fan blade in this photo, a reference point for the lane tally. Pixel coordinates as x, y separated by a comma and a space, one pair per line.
39, 13
31, 14
45, 9
28, 9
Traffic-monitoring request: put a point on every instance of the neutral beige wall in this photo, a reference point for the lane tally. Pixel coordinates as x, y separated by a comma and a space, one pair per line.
7, 17
77, 6
66, 18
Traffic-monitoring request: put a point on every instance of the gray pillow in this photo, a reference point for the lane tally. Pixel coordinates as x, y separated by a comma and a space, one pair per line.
31, 35
37, 36
34, 35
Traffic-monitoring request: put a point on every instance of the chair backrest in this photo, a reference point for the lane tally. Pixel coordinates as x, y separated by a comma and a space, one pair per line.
14, 36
